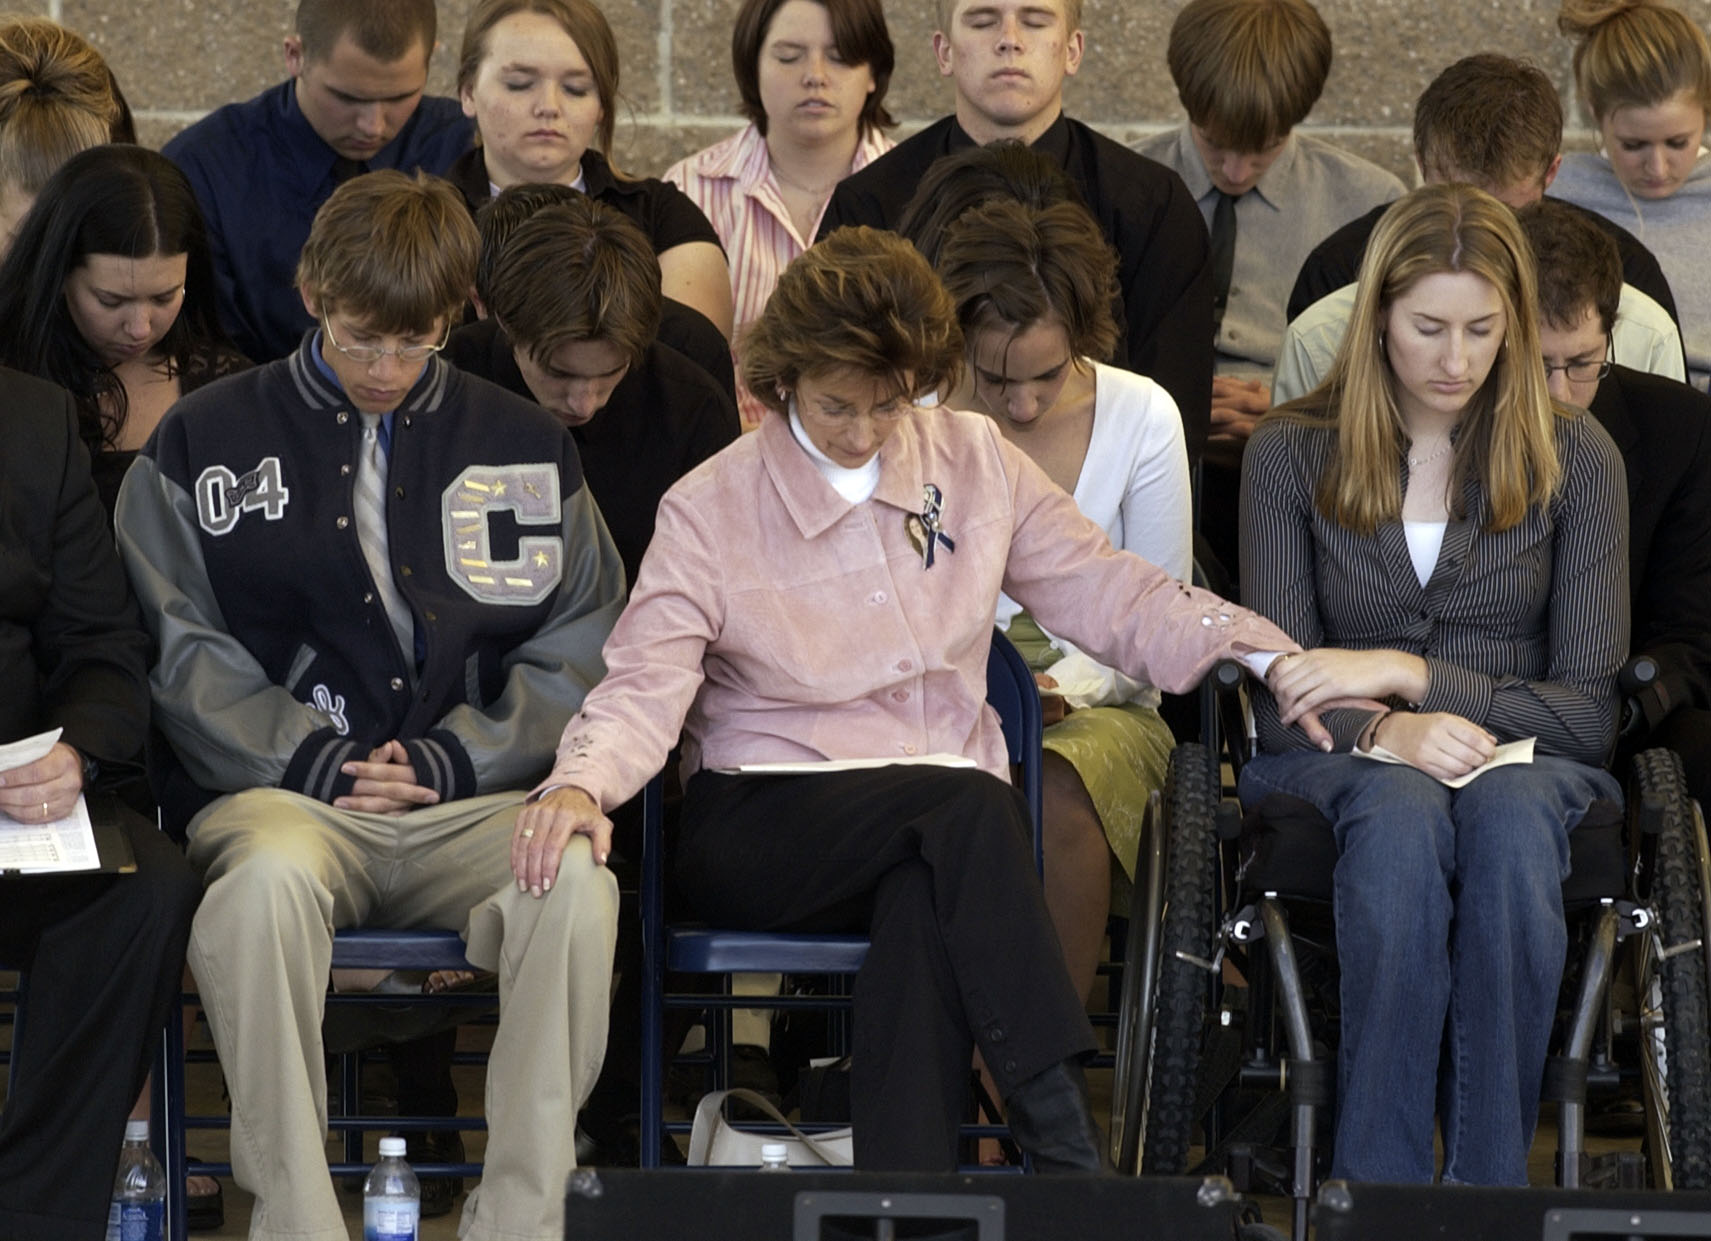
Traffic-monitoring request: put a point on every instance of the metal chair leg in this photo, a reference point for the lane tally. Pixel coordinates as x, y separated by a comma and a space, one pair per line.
168, 1108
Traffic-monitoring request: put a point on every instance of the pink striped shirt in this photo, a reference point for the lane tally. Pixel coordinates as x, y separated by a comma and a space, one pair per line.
732, 183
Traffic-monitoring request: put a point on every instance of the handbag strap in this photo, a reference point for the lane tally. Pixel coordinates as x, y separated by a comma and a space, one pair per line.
713, 1101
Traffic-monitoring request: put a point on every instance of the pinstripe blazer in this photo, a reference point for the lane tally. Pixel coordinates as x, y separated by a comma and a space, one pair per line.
1523, 631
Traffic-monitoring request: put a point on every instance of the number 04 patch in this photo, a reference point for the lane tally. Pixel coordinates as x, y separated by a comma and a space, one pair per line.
531, 492
222, 497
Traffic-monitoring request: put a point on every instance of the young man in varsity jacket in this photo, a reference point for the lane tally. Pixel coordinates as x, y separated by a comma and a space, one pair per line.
379, 587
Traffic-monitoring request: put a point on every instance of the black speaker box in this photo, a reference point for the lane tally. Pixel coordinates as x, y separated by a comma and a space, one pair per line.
725, 1205
1418, 1212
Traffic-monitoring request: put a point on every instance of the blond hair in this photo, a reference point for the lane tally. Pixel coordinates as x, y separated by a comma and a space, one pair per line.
396, 252
56, 99
1507, 438
1635, 54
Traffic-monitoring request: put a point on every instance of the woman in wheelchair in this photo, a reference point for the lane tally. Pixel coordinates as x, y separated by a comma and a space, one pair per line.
1033, 289
1457, 544
824, 590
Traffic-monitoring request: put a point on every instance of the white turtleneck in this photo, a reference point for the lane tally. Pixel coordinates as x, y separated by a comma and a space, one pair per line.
854, 485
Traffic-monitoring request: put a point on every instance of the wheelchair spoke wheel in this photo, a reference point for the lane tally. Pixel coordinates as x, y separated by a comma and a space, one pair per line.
1140, 977
1672, 982
1166, 983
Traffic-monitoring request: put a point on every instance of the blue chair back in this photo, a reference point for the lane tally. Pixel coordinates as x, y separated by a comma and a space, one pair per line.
1012, 693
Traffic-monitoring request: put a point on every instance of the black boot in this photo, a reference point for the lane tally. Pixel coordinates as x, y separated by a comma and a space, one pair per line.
1051, 1119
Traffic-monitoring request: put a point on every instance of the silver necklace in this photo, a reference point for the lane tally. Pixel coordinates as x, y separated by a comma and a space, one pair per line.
1417, 462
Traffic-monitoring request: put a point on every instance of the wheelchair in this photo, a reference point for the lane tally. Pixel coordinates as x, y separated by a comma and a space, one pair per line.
1219, 889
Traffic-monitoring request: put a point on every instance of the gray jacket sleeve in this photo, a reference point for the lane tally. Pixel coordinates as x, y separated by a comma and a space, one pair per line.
230, 726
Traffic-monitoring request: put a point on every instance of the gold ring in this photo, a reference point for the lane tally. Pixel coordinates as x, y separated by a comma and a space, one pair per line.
44, 810
528, 833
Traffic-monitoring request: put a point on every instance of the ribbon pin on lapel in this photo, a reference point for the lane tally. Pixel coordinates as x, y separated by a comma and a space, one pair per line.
927, 530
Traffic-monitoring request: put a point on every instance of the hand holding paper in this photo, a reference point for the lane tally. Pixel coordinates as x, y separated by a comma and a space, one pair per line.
40, 778
44, 823
1515, 752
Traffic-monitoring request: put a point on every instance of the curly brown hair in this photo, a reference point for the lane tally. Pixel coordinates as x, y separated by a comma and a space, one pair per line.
862, 300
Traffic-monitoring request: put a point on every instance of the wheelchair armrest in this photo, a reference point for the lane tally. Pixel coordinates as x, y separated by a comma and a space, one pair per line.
1228, 675
1649, 694
1638, 674
1226, 680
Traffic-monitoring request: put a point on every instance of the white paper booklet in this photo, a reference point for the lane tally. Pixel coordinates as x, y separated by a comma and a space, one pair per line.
823, 765
66, 844
1514, 752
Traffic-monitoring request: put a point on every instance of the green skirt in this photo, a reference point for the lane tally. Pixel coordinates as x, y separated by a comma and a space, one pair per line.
1121, 754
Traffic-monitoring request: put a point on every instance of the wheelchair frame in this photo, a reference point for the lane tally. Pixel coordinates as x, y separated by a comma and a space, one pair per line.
1190, 911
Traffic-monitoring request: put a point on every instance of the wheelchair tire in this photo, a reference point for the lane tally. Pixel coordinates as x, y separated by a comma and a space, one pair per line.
1159, 1066
1674, 984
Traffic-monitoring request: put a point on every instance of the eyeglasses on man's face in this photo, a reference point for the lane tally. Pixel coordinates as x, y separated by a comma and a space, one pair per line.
1582, 371
369, 354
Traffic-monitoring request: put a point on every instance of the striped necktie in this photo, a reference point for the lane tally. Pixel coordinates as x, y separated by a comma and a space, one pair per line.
370, 503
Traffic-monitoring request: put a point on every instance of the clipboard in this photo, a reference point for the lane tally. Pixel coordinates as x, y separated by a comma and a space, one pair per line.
113, 847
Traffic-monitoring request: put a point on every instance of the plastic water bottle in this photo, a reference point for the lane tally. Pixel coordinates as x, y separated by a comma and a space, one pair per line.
774, 1157
391, 1197
138, 1211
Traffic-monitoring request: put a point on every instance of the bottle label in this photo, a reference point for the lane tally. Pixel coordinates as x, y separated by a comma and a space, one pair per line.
390, 1221
135, 1221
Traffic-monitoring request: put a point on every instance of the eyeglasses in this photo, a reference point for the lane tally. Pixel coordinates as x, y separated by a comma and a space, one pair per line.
370, 354
1585, 372
883, 415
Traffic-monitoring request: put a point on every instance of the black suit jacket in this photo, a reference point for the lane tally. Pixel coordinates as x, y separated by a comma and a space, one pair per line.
1336, 261
665, 417
1663, 429
73, 654
1146, 213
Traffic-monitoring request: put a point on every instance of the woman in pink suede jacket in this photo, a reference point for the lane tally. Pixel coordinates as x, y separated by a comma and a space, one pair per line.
824, 589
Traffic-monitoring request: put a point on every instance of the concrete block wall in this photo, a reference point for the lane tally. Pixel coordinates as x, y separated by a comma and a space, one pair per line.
178, 58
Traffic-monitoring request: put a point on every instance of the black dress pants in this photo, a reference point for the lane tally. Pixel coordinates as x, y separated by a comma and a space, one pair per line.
104, 956
935, 865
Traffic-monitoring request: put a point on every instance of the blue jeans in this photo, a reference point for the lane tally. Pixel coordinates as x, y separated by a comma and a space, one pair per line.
1450, 939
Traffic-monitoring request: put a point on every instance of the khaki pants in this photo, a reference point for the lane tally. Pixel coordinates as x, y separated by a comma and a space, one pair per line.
282, 873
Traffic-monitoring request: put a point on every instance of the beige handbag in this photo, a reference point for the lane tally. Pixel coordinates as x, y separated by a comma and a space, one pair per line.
716, 1142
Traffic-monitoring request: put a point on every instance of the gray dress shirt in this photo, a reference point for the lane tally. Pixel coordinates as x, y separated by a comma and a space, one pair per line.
1311, 190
